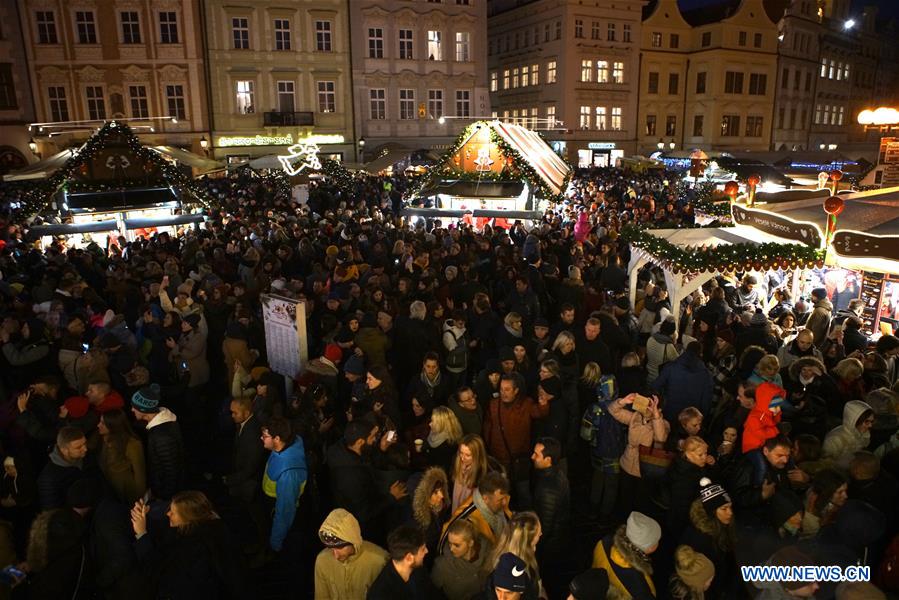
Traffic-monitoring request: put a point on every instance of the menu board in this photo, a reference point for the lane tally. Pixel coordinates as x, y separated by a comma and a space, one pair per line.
285, 334
872, 287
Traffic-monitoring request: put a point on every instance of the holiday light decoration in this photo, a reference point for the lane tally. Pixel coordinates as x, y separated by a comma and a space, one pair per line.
303, 155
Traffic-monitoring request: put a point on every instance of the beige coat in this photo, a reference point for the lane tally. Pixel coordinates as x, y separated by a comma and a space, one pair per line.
640, 432
335, 580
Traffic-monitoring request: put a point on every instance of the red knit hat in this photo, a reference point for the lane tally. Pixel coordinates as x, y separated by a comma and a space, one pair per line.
333, 353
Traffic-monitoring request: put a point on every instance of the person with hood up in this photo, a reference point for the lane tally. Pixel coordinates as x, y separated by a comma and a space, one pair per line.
625, 556
165, 446
372, 341
853, 435
284, 478
430, 507
27, 354
761, 423
456, 344
686, 382
660, 349
819, 320
459, 573
348, 565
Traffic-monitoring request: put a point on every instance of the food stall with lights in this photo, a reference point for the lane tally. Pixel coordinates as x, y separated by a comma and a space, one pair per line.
114, 186
494, 170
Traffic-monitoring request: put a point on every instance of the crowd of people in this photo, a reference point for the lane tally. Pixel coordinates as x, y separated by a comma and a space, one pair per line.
461, 385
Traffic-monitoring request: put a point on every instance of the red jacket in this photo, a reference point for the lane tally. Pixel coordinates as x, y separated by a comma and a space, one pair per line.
78, 406
516, 423
761, 424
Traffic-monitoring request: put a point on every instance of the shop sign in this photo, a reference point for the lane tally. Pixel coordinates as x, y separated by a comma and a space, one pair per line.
865, 245
774, 224
277, 140
601, 145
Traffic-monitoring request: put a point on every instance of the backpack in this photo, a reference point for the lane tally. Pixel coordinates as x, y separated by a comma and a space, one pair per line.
606, 436
457, 358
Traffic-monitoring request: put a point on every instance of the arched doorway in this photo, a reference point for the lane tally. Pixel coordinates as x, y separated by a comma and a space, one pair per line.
11, 160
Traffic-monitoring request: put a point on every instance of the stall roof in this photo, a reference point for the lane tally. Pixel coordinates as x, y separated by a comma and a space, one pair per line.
537, 153
717, 236
189, 158
874, 212
387, 159
475, 189
41, 169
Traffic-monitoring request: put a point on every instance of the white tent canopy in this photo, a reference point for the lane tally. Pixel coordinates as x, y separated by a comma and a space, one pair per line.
41, 169
681, 285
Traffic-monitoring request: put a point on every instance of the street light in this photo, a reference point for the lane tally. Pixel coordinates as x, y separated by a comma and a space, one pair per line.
361, 142
660, 145
671, 144
849, 24
442, 120
32, 145
204, 144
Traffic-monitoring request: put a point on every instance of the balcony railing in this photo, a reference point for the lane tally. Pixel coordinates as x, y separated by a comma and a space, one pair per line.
288, 119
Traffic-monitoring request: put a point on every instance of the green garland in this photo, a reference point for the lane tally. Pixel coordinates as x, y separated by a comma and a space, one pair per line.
725, 257
41, 195
338, 175
708, 198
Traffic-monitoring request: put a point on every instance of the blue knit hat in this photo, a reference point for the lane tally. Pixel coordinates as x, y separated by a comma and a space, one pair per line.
146, 399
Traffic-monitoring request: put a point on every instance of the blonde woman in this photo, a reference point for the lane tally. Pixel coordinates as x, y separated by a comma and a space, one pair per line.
469, 466
564, 354
520, 538
443, 438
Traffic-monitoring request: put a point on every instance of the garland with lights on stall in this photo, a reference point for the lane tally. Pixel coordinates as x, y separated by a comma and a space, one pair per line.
708, 199
171, 175
337, 175
724, 257
515, 168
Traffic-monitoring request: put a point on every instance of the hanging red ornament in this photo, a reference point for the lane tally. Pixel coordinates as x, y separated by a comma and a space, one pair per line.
835, 175
834, 205
83, 169
754, 179
732, 188
756, 266
509, 161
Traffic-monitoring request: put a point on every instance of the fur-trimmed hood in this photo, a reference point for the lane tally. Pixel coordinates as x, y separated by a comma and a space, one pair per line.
722, 535
806, 361
630, 553
421, 509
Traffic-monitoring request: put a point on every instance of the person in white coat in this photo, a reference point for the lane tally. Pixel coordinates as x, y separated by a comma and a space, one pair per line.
853, 435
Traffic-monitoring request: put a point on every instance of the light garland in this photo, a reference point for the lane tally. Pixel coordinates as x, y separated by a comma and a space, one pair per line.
304, 150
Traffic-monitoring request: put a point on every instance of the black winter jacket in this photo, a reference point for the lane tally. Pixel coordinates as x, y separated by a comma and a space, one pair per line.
165, 459
354, 487
552, 502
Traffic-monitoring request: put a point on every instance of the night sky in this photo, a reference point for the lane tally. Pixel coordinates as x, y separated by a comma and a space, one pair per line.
889, 8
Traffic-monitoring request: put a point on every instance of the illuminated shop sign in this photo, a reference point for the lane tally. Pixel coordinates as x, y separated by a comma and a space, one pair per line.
277, 140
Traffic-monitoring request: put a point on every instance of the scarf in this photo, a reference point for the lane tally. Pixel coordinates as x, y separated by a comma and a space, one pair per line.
436, 438
495, 521
431, 384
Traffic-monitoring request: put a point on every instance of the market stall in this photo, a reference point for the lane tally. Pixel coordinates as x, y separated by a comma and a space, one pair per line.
493, 167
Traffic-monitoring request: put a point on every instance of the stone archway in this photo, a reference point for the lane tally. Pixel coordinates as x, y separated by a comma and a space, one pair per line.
11, 159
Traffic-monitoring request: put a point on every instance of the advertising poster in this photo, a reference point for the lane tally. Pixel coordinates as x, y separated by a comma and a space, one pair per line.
285, 334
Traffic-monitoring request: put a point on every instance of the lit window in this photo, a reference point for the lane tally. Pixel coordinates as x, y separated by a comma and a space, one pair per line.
586, 70
601, 122
377, 104
616, 119
245, 104
618, 72
434, 45
551, 72
327, 97
585, 117
463, 46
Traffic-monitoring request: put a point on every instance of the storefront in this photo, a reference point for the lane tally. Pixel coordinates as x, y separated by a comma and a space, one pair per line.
599, 154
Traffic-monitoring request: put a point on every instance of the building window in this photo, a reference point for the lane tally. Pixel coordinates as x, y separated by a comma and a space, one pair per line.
626, 34
282, 34
793, 119
656, 39
463, 46
546, 32
754, 126
240, 31
610, 32
323, 39
673, 83
653, 87
140, 108
525, 76
585, 117
515, 77
168, 27
130, 27
733, 82
434, 45
375, 42
594, 30
602, 71
245, 104
817, 114
406, 44
494, 81
700, 82
824, 68
59, 104
674, 40
551, 72
758, 84
785, 78
781, 116
463, 2
535, 74
285, 91
174, 95
742, 38
697, 125
327, 97
840, 119
551, 116
757, 40
587, 70
377, 104
804, 117
617, 72
650, 125
7, 88
463, 103
507, 82
846, 71
96, 105
730, 126
407, 104
671, 125
601, 122
808, 82
46, 27
578, 28
87, 28
616, 118
435, 103
558, 30
706, 40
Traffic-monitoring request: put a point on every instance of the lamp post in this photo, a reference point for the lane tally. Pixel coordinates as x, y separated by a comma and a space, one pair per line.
32, 145
671, 144
204, 144
361, 144
660, 145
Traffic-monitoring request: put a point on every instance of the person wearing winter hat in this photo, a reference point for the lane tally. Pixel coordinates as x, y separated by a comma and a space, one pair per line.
624, 555
486, 385
592, 584
788, 556
165, 446
510, 580
189, 352
819, 320
712, 533
693, 575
